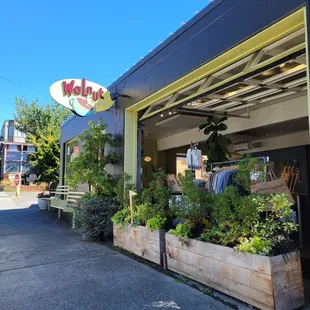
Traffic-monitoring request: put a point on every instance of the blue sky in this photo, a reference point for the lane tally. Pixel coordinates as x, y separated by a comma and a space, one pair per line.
45, 41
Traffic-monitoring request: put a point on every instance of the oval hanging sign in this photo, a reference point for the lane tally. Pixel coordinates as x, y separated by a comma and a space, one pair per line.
81, 96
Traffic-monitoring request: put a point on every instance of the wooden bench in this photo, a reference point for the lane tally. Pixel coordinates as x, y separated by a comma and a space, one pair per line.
65, 200
61, 192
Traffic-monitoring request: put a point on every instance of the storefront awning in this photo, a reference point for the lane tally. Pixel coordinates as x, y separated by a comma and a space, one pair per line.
274, 72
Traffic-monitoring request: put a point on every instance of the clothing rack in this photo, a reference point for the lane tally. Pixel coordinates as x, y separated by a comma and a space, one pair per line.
232, 162
219, 180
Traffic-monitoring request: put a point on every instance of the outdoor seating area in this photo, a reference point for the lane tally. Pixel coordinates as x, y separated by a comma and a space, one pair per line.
64, 200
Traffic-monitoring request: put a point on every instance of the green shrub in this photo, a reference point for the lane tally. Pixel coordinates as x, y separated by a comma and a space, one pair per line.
181, 230
93, 215
122, 189
254, 245
122, 217
196, 205
155, 223
251, 223
157, 196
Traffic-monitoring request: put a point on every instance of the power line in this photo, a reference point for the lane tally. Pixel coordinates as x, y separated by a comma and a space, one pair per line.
28, 88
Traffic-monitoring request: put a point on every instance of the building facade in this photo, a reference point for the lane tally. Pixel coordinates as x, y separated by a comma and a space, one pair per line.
14, 151
245, 59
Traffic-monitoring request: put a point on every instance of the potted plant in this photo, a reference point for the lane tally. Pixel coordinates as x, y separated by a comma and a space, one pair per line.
217, 143
92, 216
42, 201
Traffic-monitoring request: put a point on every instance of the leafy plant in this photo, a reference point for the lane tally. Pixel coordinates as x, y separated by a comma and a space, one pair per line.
196, 204
122, 189
93, 215
121, 217
157, 196
151, 209
89, 166
254, 245
144, 212
216, 142
181, 230
247, 166
277, 225
155, 223
232, 217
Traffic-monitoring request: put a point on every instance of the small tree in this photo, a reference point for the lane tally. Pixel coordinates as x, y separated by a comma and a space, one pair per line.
97, 152
42, 125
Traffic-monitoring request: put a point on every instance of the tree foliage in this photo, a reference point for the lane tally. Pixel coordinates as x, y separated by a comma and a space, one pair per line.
42, 124
89, 167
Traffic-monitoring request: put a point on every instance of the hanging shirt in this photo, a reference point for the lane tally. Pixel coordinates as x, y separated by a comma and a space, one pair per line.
194, 159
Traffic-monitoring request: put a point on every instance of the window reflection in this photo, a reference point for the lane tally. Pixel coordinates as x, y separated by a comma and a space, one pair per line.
72, 150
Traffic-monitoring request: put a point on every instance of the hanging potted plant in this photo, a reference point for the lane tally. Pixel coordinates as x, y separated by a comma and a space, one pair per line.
216, 142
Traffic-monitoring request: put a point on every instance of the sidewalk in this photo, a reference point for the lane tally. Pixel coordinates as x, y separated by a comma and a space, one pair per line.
45, 265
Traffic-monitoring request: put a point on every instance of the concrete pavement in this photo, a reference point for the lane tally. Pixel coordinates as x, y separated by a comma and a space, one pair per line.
45, 265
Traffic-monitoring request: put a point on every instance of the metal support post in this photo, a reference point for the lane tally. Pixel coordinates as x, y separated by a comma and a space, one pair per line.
139, 150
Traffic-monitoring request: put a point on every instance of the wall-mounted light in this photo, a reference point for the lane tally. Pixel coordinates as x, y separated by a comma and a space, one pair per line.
147, 159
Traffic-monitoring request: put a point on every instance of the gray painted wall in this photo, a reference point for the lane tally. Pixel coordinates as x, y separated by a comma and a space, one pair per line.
114, 118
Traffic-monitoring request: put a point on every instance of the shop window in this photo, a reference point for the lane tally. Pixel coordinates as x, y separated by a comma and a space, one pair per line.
72, 150
233, 90
295, 77
12, 166
288, 67
187, 93
181, 165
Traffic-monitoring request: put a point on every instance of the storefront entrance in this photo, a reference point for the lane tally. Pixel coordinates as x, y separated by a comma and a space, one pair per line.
260, 85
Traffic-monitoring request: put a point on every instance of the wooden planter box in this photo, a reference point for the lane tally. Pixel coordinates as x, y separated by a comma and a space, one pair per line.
140, 241
261, 281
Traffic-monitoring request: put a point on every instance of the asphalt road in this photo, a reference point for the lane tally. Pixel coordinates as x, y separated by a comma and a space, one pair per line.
45, 265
